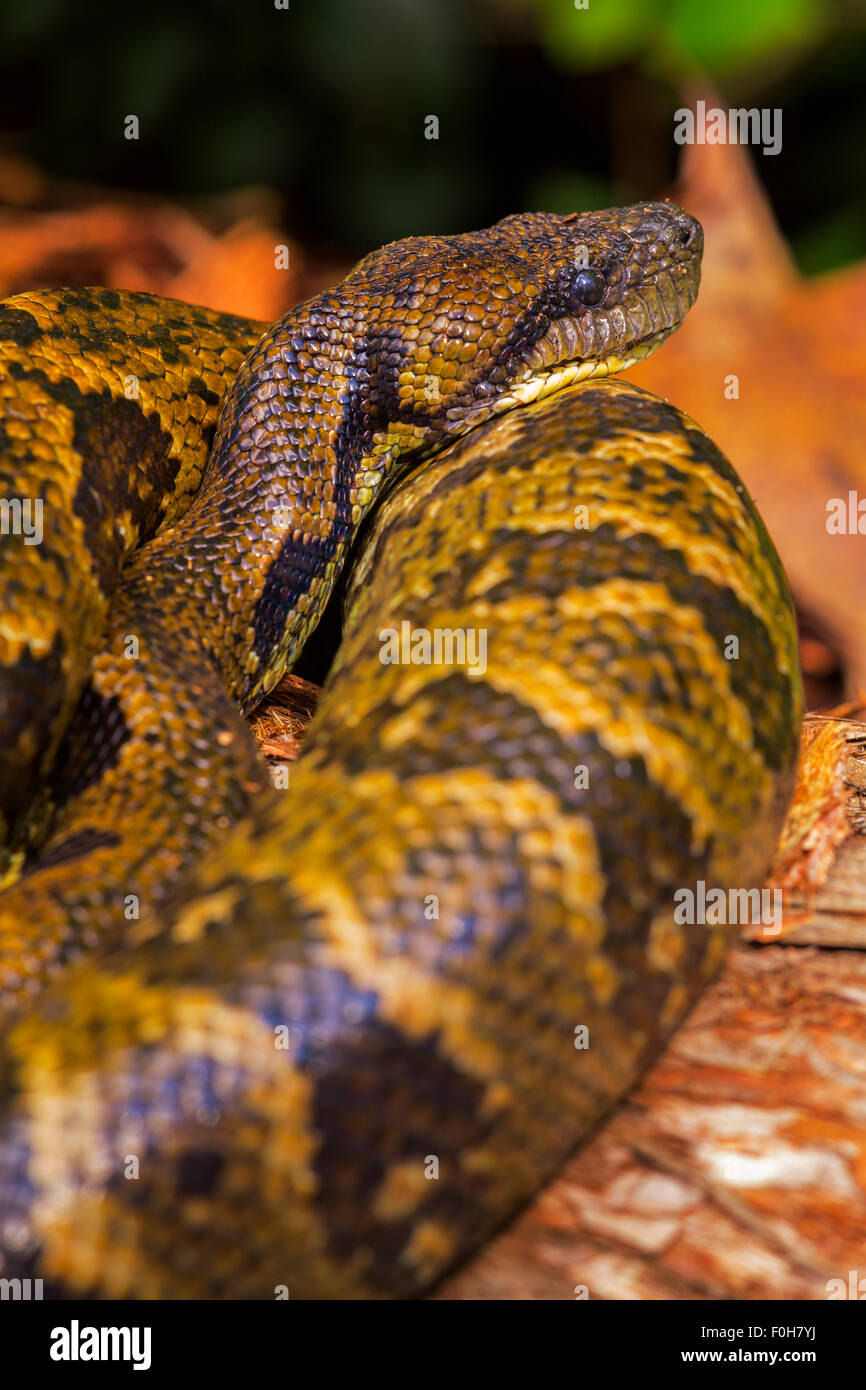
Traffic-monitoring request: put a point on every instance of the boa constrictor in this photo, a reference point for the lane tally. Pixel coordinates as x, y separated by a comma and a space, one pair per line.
323, 1038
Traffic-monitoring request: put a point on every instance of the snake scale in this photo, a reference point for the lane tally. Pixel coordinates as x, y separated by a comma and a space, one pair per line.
324, 1038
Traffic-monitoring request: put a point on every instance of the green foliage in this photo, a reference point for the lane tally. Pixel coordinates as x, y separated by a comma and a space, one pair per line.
605, 33
722, 38
716, 37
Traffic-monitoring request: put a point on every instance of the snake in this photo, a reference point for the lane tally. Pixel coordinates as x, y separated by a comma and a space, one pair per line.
321, 1035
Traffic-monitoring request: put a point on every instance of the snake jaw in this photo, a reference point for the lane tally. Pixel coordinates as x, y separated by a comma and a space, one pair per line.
538, 385
561, 360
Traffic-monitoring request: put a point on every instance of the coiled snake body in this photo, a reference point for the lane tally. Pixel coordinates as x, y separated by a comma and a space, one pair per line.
323, 1038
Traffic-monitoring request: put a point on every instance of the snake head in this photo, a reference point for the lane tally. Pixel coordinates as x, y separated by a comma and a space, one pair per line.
472, 325
607, 288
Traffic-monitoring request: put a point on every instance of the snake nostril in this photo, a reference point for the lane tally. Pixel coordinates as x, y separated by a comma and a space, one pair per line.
688, 232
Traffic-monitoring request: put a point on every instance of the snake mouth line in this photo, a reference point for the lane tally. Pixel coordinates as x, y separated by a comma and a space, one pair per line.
542, 384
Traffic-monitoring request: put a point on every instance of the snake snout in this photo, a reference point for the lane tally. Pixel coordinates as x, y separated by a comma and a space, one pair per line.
689, 232
664, 274
684, 235
671, 225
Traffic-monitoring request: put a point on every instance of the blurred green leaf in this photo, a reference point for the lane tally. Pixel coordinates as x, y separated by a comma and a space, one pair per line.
714, 37
721, 37
607, 32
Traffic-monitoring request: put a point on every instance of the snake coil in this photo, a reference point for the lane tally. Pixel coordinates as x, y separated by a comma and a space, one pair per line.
323, 1037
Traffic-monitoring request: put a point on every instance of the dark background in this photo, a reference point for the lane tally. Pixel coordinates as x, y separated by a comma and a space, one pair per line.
539, 104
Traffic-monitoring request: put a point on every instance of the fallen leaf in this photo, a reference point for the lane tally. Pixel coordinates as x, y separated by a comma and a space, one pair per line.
794, 349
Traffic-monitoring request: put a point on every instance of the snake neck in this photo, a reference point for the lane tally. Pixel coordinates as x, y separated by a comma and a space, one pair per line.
306, 440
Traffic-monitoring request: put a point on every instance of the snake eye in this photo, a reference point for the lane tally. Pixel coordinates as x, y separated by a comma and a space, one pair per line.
588, 288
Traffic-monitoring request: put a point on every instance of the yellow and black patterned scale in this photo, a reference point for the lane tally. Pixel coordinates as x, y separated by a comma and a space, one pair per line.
322, 1038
